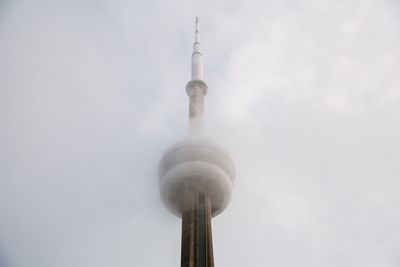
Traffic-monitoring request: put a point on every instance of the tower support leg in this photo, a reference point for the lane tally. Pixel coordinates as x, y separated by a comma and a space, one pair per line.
197, 249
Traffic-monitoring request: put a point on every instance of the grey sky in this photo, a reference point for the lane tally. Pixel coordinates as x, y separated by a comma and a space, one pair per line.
304, 94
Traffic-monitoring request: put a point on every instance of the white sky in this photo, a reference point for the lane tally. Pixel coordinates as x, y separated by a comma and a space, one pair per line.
304, 94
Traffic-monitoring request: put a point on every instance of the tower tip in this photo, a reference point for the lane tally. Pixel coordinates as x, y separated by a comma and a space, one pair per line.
196, 30
197, 57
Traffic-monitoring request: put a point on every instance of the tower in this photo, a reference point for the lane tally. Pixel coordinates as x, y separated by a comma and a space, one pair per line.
196, 175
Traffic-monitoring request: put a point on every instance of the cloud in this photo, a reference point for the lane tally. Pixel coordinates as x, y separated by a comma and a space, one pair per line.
303, 94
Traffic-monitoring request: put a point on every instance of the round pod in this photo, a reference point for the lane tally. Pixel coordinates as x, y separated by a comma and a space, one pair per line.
196, 164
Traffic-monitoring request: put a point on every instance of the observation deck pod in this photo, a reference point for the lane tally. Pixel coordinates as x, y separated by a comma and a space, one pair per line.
199, 165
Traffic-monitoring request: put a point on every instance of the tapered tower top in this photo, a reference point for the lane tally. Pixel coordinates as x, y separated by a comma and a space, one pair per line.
197, 56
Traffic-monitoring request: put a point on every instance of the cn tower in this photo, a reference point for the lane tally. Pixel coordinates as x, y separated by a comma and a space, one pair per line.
196, 175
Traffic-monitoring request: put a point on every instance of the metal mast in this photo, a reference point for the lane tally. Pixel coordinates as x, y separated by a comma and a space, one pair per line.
196, 89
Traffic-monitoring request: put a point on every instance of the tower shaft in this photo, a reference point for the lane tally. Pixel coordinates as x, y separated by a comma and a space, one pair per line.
196, 91
197, 248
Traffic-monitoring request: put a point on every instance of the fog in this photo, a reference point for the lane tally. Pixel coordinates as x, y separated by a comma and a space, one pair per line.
303, 94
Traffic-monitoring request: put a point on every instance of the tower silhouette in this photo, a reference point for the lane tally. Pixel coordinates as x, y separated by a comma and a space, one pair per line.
196, 175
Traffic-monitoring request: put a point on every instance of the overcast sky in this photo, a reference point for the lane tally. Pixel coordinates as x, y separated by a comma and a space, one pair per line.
305, 95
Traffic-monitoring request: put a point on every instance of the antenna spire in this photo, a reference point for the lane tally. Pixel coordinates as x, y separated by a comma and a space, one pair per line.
196, 34
197, 57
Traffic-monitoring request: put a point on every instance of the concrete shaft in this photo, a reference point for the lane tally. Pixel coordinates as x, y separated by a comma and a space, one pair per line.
197, 250
197, 63
196, 90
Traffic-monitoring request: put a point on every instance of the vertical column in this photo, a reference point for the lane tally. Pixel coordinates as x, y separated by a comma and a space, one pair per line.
196, 248
202, 231
209, 245
188, 221
197, 63
196, 109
